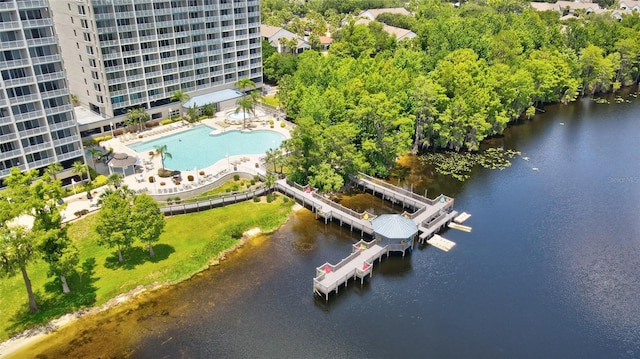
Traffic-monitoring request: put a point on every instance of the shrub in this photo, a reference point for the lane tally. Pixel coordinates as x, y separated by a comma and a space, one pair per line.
256, 199
235, 232
166, 121
282, 124
253, 182
99, 181
190, 178
228, 190
256, 179
169, 201
248, 185
271, 122
236, 177
81, 212
285, 199
235, 187
270, 197
164, 173
177, 199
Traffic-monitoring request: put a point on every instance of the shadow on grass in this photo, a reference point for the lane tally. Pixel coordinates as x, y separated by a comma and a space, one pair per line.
53, 303
136, 256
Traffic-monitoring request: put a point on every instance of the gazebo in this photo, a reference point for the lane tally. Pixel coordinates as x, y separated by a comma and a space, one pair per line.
395, 231
123, 161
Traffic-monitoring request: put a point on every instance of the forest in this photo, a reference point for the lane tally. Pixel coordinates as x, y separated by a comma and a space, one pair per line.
469, 73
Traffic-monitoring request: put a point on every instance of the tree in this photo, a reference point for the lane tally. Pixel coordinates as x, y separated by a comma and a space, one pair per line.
137, 116
162, 152
147, 220
181, 97
114, 224
270, 181
255, 97
208, 110
53, 243
244, 84
245, 105
79, 169
192, 112
16, 251
114, 179
17, 243
53, 169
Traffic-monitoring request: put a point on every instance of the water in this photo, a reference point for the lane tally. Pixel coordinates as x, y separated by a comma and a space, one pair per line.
198, 148
550, 269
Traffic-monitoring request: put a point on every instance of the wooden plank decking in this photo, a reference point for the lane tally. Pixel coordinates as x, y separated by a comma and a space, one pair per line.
358, 264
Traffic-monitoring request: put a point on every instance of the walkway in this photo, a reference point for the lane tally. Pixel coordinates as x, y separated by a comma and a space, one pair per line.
358, 264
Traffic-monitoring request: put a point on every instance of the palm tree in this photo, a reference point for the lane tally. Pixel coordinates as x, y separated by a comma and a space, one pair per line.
114, 180
193, 114
162, 152
79, 169
208, 110
271, 157
53, 170
245, 83
245, 105
255, 97
181, 97
137, 116
270, 181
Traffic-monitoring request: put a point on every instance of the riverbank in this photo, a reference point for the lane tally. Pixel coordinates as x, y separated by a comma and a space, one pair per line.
269, 217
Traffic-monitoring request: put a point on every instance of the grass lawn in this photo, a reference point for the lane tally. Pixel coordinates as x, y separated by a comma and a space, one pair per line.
229, 186
271, 100
181, 252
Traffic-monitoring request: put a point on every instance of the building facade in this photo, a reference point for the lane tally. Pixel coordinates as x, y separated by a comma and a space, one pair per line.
129, 54
37, 123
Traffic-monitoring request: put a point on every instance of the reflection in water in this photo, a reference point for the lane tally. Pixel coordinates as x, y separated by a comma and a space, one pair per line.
549, 270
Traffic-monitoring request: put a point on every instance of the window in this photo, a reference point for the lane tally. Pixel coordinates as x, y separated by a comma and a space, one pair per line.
89, 50
97, 87
92, 62
81, 10
84, 23
94, 75
99, 98
86, 36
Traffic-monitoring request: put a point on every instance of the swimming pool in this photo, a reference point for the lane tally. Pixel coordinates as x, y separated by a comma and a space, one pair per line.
197, 148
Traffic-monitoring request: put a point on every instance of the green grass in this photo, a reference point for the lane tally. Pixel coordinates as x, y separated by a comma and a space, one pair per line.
271, 100
229, 186
181, 252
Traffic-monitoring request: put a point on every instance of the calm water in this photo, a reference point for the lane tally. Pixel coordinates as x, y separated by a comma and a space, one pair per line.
549, 271
197, 148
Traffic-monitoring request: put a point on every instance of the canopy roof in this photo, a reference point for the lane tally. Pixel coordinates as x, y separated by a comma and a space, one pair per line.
122, 160
394, 226
213, 97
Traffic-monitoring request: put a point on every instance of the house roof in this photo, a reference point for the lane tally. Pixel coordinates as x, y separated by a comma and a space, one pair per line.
268, 30
373, 13
577, 5
325, 40
630, 4
394, 226
391, 30
543, 6
213, 97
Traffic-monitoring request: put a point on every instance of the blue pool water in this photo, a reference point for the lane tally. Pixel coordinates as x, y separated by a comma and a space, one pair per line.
197, 148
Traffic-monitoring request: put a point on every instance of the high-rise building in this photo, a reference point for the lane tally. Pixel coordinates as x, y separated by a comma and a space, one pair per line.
37, 123
125, 54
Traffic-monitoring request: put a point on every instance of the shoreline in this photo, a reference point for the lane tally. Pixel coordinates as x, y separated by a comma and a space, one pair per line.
30, 336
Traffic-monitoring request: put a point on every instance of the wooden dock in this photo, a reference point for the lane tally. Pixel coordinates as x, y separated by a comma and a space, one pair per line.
462, 217
441, 243
358, 264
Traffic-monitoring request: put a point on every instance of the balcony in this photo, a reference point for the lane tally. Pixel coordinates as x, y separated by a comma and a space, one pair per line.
26, 116
19, 81
37, 148
14, 63
54, 93
61, 125
8, 137
8, 45
10, 25
69, 155
59, 109
52, 76
37, 23
65, 141
10, 154
46, 59
33, 132
42, 41
26, 98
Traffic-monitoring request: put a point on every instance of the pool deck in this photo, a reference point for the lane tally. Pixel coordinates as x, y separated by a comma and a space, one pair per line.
243, 163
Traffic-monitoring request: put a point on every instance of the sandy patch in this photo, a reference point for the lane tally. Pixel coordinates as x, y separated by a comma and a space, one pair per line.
253, 232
